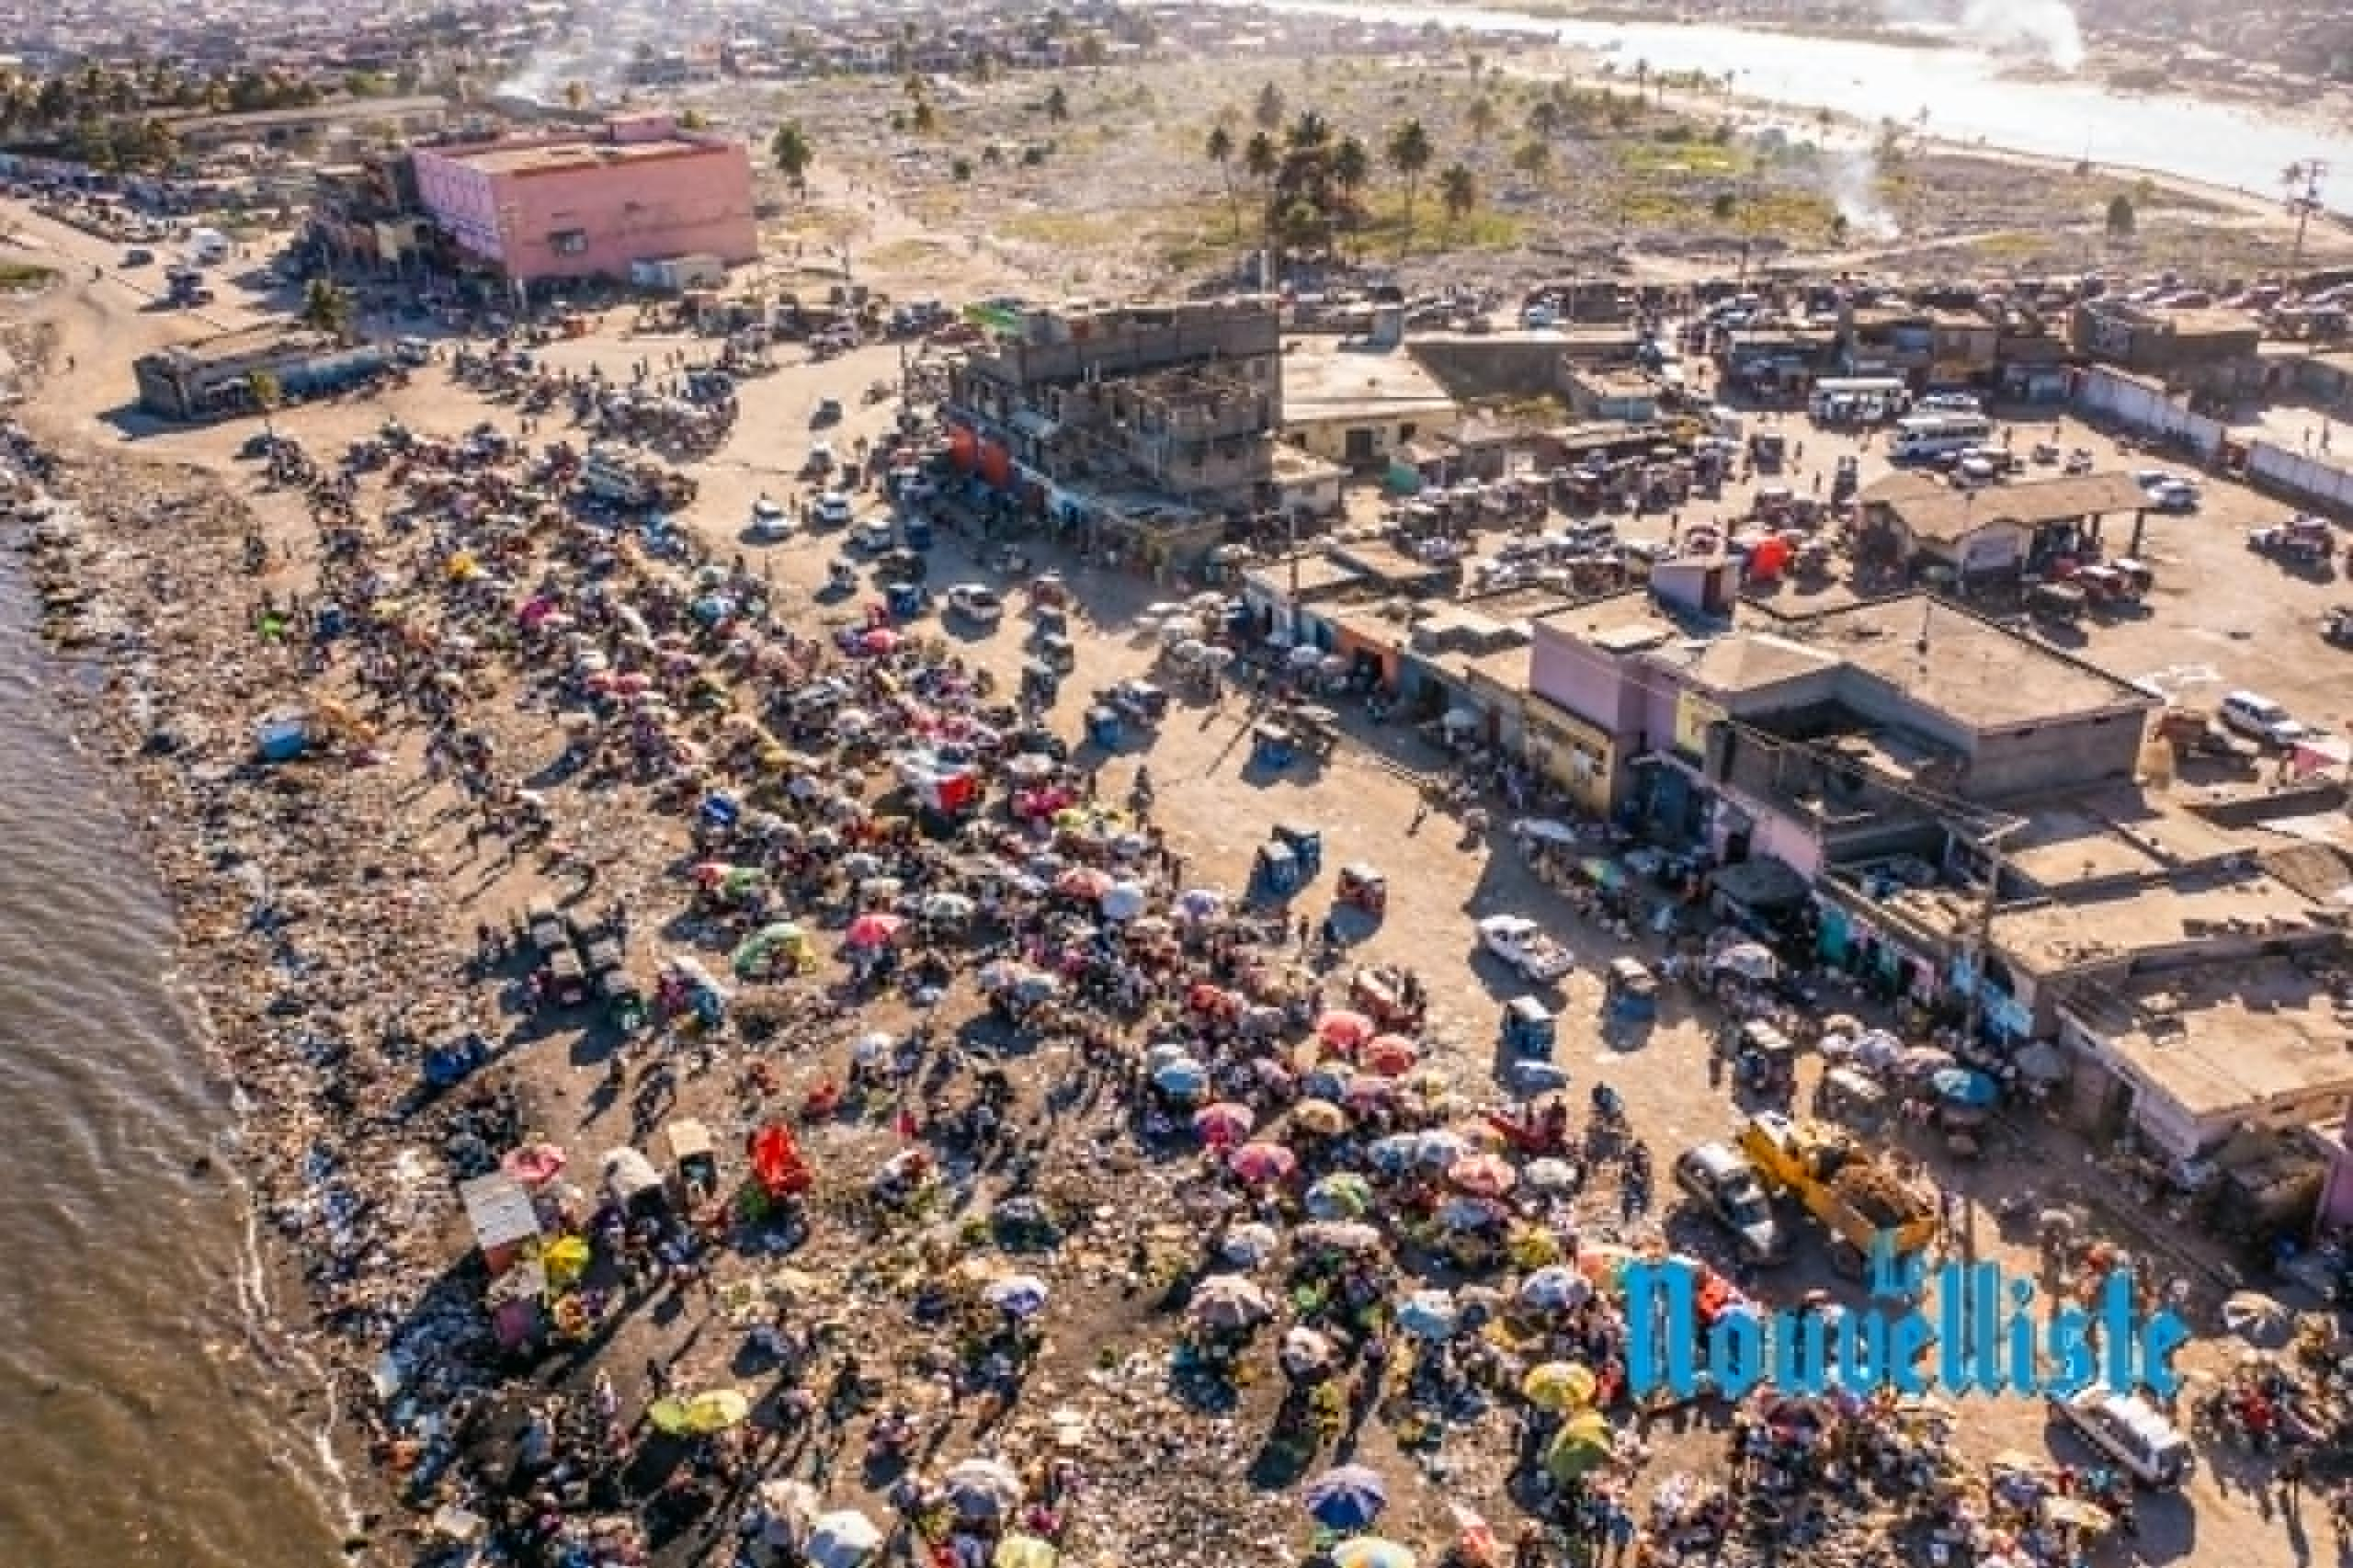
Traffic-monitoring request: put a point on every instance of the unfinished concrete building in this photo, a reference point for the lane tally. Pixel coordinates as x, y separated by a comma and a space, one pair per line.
1182, 400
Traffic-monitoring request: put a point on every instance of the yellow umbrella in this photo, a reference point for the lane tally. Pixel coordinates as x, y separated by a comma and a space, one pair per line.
1559, 1385
1584, 1445
1370, 1551
565, 1259
1319, 1116
1024, 1551
713, 1410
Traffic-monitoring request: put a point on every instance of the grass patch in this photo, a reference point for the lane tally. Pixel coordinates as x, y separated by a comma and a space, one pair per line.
906, 253
1698, 157
1482, 228
19, 276
1070, 230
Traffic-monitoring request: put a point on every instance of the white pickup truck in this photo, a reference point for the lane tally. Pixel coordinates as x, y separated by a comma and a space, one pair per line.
1522, 944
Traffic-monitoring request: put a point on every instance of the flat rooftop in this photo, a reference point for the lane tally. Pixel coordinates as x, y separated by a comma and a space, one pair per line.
1944, 513
563, 156
1743, 662
1323, 379
1943, 658
2072, 933
2221, 1038
2123, 830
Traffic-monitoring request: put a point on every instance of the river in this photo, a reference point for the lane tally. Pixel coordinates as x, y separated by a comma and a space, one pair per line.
145, 1424
1966, 94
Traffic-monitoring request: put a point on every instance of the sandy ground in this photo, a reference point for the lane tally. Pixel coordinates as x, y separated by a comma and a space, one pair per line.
1215, 816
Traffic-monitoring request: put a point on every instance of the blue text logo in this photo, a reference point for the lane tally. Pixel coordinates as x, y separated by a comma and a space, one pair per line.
1964, 1329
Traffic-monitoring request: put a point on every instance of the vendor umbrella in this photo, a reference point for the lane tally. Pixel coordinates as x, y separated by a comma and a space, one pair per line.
843, 1540
1230, 1302
1019, 1294
1559, 1385
1390, 1055
882, 640
1320, 1117
1343, 1195
873, 930
1250, 1244
1484, 1176
1397, 1151
1581, 1446
2257, 1319
1304, 1351
1554, 1289
981, 1488
1088, 882
1124, 900
533, 1164
1549, 1175
1338, 1235
1024, 1551
1344, 1028
1328, 1081
1199, 903
1183, 1078
1347, 1497
1371, 1552
564, 1260
1429, 1314
1224, 1123
1959, 1085
947, 906
1260, 1163
714, 1409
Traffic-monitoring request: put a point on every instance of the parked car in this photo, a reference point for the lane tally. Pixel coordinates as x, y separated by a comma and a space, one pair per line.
139, 256
2177, 495
873, 534
834, 510
1721, 1181
828, 411
976, 602
2261, 718
2131, 1431
770, 521
1522, 943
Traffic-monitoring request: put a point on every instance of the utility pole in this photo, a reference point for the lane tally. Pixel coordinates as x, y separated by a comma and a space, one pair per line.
1981, 935
2303, 181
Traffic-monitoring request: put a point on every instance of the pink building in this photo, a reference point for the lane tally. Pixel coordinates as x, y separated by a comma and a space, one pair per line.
562, 207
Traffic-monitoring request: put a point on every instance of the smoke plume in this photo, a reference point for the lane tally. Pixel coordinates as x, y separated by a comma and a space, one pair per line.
1848, 177
2046, 26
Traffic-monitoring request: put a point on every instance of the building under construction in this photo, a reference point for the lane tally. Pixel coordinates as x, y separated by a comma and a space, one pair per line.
1068, 406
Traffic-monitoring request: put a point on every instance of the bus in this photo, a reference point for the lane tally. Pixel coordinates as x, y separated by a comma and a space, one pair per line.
1926, 436
1859, 399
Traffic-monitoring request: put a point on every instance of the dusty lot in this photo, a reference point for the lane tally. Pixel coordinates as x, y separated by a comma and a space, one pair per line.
2219, 608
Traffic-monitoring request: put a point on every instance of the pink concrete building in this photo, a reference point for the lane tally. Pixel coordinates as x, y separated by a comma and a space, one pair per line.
564, 207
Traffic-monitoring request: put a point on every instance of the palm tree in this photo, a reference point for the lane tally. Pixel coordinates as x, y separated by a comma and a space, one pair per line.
926, 119
1351, 167
793, 155
1545, 119
1057, 105
326, 307
1219, 151
1408, 151
262, 388
1267, 112
1642, 78
1481, 117
1458, 188
1263, 160
1308, 131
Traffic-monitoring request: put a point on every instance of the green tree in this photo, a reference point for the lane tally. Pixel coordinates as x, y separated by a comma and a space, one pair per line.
1723, 205
1545, 120
1262, 160
1057, 105
326, 307
267, 394
1266, 114
793, 155
1533, 157
693, 120
1351, 171
1092, 51
1408, 151
1219, 149
926, 119
575, 96
1458, 188
1481, 117
2122, 217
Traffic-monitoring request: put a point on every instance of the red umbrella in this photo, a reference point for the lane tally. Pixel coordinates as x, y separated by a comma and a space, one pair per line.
1083, 881
1390, 1055
873, 930
1344, 1028
533, 1164
1262, 1162
1483, 1175
882, 640
1224, 1123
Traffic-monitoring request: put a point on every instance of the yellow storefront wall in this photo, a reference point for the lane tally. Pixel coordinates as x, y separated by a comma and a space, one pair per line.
1694, 715
1578, 756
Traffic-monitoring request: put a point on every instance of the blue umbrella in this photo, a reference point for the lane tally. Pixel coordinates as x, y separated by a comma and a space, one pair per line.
1183, 1078
1348, 1498
1427, 1314
1397, 1151
1326, 1083
1963, 1087
1020, 1294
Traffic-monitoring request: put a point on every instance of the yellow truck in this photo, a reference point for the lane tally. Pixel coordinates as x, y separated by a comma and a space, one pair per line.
1854, 1191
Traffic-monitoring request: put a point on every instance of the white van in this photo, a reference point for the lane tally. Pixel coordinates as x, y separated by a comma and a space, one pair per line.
2259, 718
206, 246
1926, 436
2129, 1430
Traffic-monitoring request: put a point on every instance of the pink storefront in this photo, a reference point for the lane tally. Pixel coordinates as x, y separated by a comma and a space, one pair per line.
547, 207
